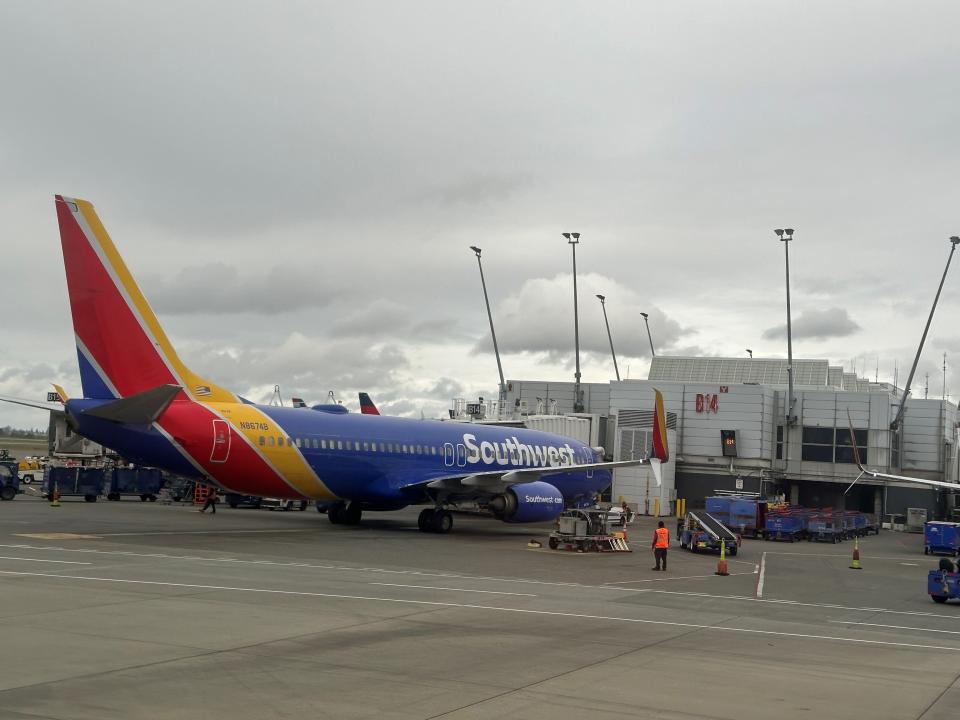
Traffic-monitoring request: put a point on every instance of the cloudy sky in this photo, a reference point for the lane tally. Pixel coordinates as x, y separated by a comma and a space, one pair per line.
296, 185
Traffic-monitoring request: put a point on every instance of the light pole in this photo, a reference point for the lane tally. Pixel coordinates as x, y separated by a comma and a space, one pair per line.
496, 350
646, 322
750, 353
603, 304
786, 236
573, 239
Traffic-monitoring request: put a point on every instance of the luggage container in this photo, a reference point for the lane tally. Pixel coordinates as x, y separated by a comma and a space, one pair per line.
824, 528
719, 507
141, 481
747, 516
82, 482
787, 525
941, 538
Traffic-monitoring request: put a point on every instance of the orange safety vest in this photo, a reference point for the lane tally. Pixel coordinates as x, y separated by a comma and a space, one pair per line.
663, 538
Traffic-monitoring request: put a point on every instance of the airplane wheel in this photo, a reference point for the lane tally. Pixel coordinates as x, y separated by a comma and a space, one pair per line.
352, 515
553, 543
442, 521
335, 513
425, 520
7, 493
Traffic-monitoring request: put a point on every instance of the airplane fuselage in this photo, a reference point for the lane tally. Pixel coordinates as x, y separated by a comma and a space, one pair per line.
322, 455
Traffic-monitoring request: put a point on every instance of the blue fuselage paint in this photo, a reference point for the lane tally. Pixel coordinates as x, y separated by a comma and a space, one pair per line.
383, 462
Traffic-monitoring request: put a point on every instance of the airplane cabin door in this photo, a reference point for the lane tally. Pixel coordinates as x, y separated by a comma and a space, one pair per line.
221, 441
461, 455
448, 454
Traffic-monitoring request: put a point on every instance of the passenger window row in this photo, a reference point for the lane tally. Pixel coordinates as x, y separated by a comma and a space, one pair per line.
355, 445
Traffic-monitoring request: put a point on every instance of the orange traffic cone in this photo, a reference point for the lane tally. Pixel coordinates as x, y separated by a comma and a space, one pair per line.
722, 564
855, 565
55, 496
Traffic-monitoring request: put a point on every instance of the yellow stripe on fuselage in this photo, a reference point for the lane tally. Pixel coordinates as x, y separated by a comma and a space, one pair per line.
191, 381
253, 424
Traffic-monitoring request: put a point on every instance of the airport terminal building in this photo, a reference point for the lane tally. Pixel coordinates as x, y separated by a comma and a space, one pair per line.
727, 429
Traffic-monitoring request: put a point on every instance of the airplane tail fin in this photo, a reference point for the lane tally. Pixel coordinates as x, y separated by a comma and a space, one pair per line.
661, 451
122, 349
366, 405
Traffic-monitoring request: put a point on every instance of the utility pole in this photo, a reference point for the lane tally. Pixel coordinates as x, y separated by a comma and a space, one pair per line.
573, 239
603, 304
786, 235
502, 396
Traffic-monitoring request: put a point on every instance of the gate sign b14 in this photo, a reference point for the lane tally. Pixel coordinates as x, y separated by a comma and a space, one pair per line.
706, 402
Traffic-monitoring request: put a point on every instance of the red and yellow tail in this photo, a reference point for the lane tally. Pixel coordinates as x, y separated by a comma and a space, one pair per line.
121, 347
661, 451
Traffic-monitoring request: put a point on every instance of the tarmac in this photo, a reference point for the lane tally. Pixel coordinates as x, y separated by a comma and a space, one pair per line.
141, 610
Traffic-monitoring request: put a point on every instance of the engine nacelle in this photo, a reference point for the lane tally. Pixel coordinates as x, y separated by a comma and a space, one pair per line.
528, 503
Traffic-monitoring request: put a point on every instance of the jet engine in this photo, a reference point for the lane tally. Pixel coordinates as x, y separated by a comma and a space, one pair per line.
527, 503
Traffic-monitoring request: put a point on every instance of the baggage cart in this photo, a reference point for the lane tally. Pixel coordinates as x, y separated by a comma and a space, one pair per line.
588, 530
824, 528
143, 482
85, 482
941, 538
789, 526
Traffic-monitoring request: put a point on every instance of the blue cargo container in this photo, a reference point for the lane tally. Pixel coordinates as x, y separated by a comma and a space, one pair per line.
747, 516
144, 482
784, 527
719, 507
941, 538
74, 481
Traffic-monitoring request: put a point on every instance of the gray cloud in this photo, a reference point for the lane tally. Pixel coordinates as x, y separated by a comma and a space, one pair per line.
817, 324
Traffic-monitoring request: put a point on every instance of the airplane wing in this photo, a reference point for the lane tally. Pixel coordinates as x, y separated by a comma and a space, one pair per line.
48, 406
886, 476
493, 482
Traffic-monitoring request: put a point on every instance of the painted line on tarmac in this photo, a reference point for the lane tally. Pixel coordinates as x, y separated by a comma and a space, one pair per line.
430, 587
897, 627
61, 562
758, 588
662, 579
457, 576
839, 557
493, 608
798, 603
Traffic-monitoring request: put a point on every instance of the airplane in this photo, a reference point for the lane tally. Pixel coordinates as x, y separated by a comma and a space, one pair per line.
366, 405
142, 401
886, 476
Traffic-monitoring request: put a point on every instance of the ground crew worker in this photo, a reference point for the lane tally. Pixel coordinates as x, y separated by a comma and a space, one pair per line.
661, 541
211, 501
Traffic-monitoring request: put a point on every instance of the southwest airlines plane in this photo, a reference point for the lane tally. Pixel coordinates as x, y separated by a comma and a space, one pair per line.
140, 400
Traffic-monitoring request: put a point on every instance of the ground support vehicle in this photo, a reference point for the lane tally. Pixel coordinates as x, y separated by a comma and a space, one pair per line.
141, 481
941, 538
588, 530
702, 532
9, 479
31, 468
282, 504
85, 482
942, 585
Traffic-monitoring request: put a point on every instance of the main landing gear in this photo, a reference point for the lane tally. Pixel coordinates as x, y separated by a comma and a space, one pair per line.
342, 514
435, 520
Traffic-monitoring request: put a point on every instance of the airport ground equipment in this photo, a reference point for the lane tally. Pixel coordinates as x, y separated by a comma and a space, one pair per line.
30, 469
825, 527
140, 481
271, 503
588, 530
9, 479
700, 531
788, 524
941, 538
85, 482
942, 585
744, 515
234, 500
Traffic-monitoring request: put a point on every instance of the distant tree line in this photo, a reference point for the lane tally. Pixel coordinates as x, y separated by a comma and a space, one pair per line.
12, 432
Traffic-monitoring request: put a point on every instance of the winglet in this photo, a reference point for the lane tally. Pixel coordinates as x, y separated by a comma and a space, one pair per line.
61, 392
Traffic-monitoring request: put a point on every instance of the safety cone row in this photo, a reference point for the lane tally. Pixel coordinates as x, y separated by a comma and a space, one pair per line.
722, 564
55, 495
855, 565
